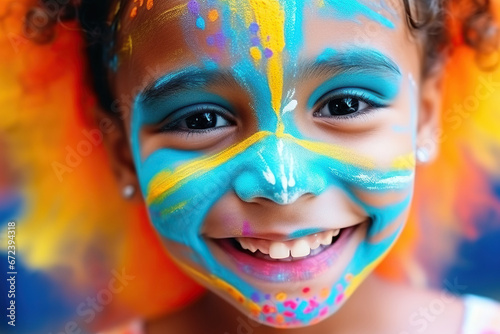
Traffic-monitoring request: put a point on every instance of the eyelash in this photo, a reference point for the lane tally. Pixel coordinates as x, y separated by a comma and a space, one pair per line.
362, 96
172, 126
221, 112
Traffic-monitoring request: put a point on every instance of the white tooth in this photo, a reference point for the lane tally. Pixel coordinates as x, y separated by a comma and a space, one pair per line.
301, 248
252, 247
279, 250
314, 242
336, 233
243, 243
261, 245
327, 238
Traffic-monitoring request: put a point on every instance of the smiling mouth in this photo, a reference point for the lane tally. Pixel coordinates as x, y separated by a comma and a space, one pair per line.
291, 250
292, 260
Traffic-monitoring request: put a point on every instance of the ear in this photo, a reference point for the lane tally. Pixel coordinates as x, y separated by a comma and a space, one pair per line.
120, 154
429, 133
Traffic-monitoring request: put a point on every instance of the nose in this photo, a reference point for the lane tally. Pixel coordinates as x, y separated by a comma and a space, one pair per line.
279, 170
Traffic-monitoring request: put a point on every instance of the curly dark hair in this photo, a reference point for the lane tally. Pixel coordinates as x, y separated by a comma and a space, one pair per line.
429, 18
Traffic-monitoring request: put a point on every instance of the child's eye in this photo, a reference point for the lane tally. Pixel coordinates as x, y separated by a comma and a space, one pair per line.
342, 107
200, 118
347, 105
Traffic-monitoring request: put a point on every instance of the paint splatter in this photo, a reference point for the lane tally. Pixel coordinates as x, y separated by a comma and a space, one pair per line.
213, 15
246, 229
149, 5
133, 12
290, 304
255, 41
268, 53
200, 23
194, 7
254, 28
255, 53
281, 296
323, 312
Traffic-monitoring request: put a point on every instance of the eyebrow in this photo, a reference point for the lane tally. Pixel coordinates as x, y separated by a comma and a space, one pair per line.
355, 61
190, 78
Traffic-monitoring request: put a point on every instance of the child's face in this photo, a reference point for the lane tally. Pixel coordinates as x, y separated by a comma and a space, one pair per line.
272, 125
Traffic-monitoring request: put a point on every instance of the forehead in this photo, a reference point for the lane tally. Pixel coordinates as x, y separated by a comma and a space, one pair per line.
171, 34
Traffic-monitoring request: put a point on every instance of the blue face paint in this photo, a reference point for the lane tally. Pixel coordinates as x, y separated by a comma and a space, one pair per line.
277, 162
303, 233
380, 79
352, 10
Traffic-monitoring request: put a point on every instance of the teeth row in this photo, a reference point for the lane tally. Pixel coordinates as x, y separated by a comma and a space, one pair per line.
296, 248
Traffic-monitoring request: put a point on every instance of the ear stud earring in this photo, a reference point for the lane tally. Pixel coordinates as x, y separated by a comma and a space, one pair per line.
423, 155
128, 191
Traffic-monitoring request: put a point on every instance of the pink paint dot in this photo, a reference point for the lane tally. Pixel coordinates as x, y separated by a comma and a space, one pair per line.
306, 290
339, 298
291, 304
289, 314
323, 312
246, 230
270, 320
313, 303
340, 288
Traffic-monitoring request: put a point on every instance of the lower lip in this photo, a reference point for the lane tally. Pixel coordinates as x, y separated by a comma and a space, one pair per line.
288, 271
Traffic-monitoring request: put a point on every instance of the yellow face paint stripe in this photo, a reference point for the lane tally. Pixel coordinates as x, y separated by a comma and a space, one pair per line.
174, 208
405, 162
360, 278
271, 20
222, 285
165, 183
335, 152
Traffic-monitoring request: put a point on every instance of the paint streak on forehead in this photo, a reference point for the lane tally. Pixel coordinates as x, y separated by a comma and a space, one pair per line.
279, 23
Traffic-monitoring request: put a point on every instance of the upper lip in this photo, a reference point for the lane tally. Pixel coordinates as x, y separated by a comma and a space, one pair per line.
280, 236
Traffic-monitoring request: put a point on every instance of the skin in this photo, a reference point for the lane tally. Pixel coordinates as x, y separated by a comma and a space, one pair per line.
274, 127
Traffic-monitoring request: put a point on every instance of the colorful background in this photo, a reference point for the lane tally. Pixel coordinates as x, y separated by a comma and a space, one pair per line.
75, 233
